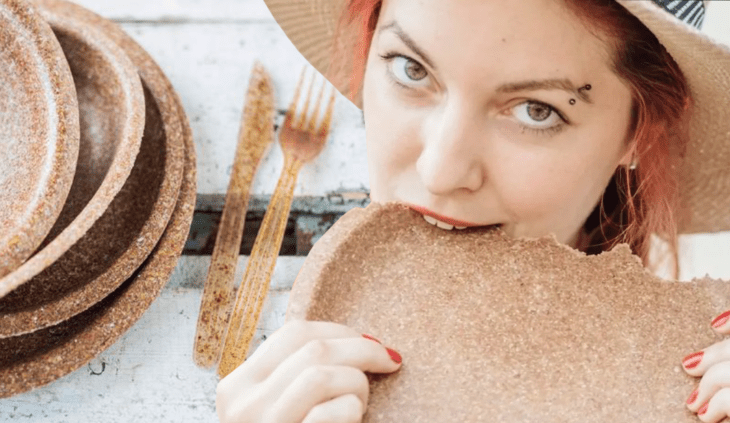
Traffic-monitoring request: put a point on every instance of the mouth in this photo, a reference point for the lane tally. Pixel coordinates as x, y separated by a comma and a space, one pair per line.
447, 223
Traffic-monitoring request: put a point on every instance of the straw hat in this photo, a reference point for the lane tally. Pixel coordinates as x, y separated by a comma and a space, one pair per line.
705, 167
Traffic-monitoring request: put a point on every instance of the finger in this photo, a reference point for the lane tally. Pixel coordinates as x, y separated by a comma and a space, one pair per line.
317, 385
283, 343
717, 408
360, 353
715, 378
344, 409
721, 323
696, 364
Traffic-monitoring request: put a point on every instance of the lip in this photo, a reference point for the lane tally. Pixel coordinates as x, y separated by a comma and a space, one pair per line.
445, 219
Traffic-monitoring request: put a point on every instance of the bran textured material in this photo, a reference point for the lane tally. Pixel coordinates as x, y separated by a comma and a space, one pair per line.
39, 122
111, 110
255, 137
38, 358
125, 234
493, 329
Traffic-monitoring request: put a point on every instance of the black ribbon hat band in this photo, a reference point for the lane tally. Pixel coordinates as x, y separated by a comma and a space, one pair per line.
691, 12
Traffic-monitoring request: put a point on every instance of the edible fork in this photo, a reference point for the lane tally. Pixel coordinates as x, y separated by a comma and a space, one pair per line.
301, 140
255, 136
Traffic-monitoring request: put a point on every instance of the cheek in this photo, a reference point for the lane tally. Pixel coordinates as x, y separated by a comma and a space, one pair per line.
549, 183
391, 136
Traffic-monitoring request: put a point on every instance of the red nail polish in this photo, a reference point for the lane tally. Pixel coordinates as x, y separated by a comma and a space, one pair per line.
372, 338
721, 319
703, 409
693, 360
693, 397
394, 356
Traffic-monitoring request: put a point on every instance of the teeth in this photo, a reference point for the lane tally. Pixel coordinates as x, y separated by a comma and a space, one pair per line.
438, 223
443, 225
460, 227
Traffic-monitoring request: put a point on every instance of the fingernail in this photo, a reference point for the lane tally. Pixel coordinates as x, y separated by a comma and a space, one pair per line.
693, 397
703, 409
394, 356
372, 338
721, 319
693, 360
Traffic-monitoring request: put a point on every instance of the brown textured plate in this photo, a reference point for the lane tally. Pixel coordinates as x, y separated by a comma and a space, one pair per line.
111, 111
39, 123
124, 235
36, 359
493, 329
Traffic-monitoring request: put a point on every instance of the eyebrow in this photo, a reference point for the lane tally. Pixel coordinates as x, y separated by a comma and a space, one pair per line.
408, 41
546, 84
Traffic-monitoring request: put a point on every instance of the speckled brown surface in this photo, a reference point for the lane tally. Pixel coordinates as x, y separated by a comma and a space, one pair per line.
111, 112
123, 237
39, 122
117, 243
36, 359
499, 330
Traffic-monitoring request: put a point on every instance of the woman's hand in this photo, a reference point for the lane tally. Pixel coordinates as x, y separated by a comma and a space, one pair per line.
711, 399
306, 372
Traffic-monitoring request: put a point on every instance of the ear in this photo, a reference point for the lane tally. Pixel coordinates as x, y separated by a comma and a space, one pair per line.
629, 152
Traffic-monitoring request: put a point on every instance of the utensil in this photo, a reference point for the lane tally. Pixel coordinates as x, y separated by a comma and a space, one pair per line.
301, 141
255, 136
39, 123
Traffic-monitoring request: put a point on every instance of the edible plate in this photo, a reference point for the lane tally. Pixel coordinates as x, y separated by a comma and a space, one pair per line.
503, 330
111, 110
116, 245
38, 358
39, 122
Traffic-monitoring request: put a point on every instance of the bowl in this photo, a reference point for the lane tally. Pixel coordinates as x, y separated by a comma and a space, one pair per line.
39, 121
119, 241
111, 112
39, 358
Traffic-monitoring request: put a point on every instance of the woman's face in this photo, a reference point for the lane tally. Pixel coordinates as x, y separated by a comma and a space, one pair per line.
483, 112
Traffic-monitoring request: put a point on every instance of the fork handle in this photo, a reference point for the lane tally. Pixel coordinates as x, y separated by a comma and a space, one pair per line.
255, 284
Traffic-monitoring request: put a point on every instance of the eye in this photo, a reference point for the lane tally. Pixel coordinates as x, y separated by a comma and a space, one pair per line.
407, 71
537, 115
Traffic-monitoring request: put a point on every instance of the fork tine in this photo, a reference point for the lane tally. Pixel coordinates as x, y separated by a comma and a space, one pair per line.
293, 105
324, 127
315, 114
303, 116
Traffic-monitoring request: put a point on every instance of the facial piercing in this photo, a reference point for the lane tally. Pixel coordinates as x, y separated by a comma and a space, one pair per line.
572, 101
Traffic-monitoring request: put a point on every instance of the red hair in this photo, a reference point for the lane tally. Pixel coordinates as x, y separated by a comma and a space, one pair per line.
637, 203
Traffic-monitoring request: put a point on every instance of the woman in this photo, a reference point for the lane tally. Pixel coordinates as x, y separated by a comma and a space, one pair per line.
539, 116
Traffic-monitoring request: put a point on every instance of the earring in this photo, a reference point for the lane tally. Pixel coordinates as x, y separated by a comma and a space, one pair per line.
634, 161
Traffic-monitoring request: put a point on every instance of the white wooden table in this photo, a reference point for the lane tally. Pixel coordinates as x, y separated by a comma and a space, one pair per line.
207, 48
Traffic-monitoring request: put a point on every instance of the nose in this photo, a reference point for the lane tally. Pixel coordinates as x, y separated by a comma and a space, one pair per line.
450, 160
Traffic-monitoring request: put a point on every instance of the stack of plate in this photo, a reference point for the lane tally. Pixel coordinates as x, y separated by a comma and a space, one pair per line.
97, 187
